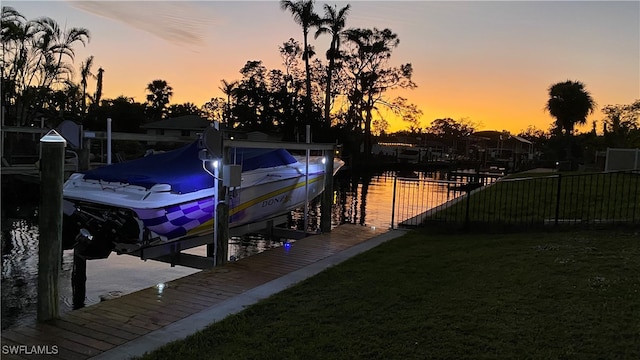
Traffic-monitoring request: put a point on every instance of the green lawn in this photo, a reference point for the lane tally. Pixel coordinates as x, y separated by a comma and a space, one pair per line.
512, 296
600, 198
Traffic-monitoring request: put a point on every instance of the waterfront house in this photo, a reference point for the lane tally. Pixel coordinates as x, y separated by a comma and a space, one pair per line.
187, 125
502, 147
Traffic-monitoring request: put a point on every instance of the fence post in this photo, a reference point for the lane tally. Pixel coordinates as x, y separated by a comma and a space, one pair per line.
466, 215
393, 202
50, 224
558, 199
108, 141
635, 203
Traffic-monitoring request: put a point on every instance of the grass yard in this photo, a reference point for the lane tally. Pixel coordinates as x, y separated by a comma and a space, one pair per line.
421, 296
535, 199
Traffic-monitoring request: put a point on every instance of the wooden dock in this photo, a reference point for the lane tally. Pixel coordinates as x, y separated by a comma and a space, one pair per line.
91, 331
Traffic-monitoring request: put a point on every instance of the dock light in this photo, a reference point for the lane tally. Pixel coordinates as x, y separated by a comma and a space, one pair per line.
215, 164
324, 160
160, 288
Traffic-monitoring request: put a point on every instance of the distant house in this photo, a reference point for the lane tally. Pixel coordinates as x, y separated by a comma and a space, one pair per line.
502, 146
188, 125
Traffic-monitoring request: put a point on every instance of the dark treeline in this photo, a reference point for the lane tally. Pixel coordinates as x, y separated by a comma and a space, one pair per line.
343, 94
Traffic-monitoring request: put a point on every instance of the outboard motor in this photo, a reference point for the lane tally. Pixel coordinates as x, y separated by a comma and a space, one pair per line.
95, 232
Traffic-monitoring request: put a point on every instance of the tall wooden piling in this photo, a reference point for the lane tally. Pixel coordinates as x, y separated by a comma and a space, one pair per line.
222, 222
50, 224
83, 159
79, 281
222, 213
213, 245
326, 202
84, 155
215, 151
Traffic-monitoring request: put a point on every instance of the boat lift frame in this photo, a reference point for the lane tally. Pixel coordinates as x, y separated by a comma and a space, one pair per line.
217, 252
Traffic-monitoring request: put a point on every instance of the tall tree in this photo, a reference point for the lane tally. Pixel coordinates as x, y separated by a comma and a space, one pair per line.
289, 91
14, 36
85, 73
36, 56
214, 109
333, 23
450, 131
99, 78
61, 43
158, 97
302, 11
367, 62
127, 115
251, 97
176, 110
229, 89
570, 103
620, 122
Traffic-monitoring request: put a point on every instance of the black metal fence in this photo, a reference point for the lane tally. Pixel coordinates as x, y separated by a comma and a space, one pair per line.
412, 196
597, 199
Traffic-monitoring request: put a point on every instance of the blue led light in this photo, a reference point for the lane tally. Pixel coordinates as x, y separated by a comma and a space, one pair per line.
287, 245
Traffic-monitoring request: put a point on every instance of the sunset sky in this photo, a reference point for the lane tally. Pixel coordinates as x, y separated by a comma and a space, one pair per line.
488, 62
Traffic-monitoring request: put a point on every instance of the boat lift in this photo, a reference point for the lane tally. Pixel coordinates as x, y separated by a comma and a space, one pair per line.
217, 149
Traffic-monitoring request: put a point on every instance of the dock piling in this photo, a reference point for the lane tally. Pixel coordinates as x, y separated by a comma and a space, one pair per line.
79, 281
222, 252
327, 196
222, 213
50, 224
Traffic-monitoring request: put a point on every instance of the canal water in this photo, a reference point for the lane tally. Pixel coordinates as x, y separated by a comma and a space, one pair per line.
363, 200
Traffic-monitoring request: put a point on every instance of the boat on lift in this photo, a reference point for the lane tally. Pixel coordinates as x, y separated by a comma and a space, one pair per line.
165, 197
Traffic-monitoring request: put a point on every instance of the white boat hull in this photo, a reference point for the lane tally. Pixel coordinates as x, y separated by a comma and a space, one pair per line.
156, 215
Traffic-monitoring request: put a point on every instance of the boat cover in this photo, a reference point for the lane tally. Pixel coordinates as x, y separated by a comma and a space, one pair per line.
182, 168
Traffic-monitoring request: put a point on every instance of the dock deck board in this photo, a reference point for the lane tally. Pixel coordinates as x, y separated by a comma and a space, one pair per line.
87, 332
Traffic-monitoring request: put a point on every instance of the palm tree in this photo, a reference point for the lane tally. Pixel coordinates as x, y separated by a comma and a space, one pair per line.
59, 43
302, 11
85, 73
570, 104
98, 95
21, 58
229, 89
159, 95
36, 55
333, 23
13, 38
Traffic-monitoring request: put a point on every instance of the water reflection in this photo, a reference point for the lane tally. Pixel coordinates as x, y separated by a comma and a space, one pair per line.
364, 199
19, 268
106, 278
358, 199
